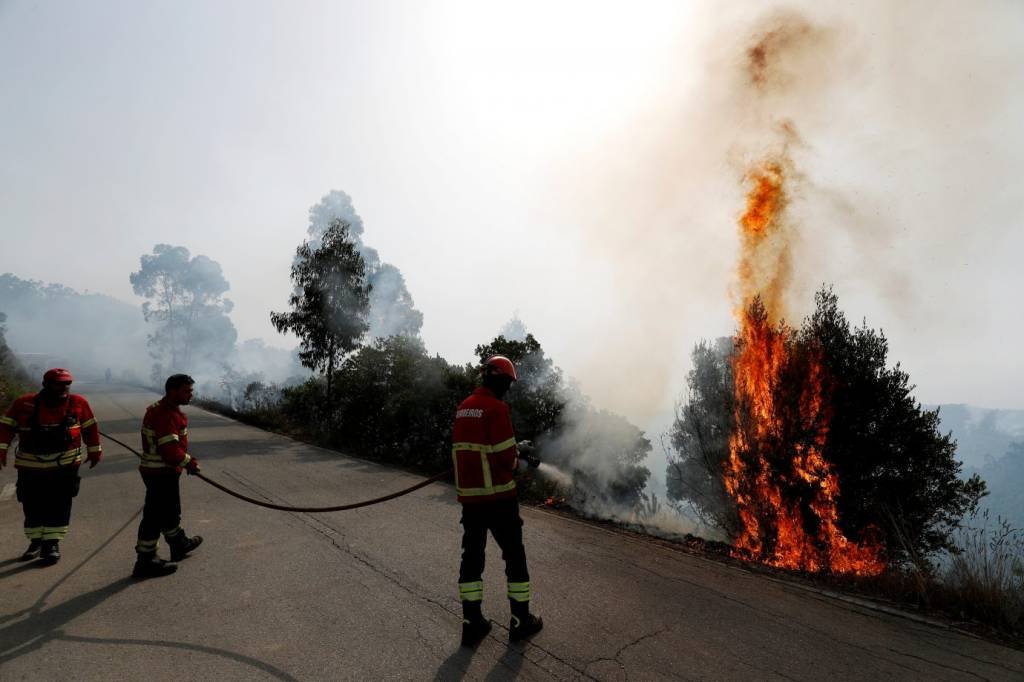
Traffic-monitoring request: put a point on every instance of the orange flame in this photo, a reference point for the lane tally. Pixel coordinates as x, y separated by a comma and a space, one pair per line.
785, 491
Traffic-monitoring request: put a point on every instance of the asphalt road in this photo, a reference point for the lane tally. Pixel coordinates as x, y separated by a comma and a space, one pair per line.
371, 594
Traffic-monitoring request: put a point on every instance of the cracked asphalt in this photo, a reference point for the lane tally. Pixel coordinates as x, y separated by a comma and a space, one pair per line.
371, 593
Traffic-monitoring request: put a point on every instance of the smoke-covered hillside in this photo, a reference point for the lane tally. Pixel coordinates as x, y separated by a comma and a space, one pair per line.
983, 435
51, 324
991, 444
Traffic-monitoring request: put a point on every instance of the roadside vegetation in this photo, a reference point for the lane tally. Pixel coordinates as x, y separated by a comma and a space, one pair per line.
14, 381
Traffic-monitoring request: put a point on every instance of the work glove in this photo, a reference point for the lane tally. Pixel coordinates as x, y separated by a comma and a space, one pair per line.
526, 449
94, 458
193, 466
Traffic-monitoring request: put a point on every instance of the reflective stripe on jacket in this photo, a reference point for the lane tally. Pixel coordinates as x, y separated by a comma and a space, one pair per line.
164, 440
58, 434
483, 449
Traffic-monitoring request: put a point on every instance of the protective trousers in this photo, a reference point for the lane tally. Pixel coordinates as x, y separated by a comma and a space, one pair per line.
161, 513
501, 518
45, 498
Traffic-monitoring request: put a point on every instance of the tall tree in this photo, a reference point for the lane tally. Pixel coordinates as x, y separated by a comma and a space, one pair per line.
186, 301
392, 311
897, 473
330, 301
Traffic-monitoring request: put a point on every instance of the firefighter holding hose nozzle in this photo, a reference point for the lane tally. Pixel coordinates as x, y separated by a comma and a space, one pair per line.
486, 458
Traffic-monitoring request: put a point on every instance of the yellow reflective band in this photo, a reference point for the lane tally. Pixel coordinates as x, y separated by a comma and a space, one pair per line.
503, 445
31, 461
481, 447
184, 432
188, 458
148, 432
479, 492
167, 439
488, 483
8, 421
473, 447
519, 591
4, 446
54, 532
94, 448
146, 546
88, 422
34, 533
471, 591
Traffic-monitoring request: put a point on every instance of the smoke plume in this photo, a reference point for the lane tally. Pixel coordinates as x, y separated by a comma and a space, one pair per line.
896, 116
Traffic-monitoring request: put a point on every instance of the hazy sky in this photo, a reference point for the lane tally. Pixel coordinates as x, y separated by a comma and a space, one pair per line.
578, 163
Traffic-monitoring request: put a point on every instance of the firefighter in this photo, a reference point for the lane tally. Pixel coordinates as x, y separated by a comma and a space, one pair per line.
486, 459
51, 426
164, 455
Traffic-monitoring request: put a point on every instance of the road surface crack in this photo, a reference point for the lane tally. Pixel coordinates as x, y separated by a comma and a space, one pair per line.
937, 663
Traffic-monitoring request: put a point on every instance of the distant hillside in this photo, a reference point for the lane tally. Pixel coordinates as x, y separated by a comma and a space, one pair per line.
982, 435
991, 444
53, 324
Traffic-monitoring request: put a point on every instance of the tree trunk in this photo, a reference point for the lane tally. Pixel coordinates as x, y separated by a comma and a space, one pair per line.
330, 378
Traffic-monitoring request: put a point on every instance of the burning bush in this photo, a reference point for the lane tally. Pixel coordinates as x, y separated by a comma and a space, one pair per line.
812, 453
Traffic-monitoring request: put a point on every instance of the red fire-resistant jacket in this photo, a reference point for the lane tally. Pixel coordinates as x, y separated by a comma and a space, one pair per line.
56, 443
484, 449
164, 440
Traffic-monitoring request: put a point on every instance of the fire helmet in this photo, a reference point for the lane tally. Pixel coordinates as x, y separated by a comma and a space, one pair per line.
59, 375
499, 364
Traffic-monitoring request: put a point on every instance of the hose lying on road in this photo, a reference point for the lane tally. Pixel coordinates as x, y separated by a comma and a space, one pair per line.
309, 510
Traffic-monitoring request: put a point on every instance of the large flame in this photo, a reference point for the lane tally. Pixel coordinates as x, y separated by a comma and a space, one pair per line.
784, 489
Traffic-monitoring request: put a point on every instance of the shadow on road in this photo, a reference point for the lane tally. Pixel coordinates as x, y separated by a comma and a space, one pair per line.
44, 626
505, 668
508, 666
222, 653
22, 566
454, 667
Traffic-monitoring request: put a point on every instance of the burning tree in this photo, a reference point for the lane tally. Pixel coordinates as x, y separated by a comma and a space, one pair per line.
802, 444
821, 459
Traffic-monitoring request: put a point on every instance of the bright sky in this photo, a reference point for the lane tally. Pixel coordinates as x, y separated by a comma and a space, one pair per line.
545, 158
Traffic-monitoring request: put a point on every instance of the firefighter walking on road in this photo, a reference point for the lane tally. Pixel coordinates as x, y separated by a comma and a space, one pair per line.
51, 427
486, 459
164, 455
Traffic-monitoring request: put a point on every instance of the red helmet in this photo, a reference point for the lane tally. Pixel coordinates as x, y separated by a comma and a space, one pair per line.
499, 364
59, 375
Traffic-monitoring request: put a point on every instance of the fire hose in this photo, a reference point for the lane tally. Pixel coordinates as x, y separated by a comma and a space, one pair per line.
309, 510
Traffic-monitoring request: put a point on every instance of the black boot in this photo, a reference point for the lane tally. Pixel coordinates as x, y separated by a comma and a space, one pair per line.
50, 552
524, 624
474, 626
34, 548
182, 544
148, 566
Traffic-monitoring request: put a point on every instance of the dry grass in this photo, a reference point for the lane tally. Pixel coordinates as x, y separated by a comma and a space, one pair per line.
984, 579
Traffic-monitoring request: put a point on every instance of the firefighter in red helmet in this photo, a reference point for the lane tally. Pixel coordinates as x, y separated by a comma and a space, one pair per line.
486, 458
51, 427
